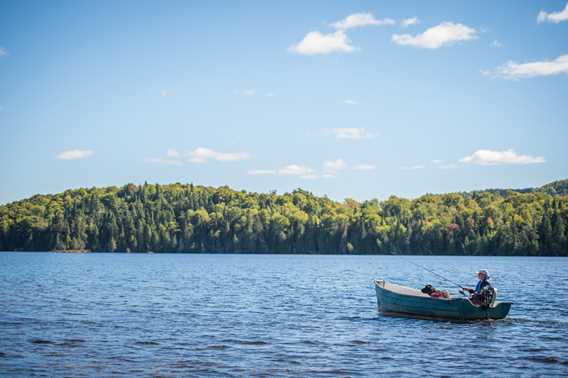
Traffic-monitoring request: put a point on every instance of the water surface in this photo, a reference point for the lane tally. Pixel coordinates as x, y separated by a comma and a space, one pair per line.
267, 315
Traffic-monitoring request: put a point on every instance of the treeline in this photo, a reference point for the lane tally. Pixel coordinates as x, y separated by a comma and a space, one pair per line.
188, 218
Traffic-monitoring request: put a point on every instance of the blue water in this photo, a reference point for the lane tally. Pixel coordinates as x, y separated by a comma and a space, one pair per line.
267, 315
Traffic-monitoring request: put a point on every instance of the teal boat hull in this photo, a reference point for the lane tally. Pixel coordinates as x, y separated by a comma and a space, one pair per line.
400, 301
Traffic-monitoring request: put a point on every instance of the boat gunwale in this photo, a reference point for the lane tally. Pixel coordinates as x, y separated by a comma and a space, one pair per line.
421, 295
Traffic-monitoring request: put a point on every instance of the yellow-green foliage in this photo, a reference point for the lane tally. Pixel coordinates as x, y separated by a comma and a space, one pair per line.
178, 218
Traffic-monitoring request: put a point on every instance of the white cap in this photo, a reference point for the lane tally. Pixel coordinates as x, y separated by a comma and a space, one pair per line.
485, 272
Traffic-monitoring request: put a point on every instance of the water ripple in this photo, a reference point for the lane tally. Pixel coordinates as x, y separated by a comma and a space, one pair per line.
278, 315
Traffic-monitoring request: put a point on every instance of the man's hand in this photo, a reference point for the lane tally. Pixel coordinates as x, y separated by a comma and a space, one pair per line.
468, 290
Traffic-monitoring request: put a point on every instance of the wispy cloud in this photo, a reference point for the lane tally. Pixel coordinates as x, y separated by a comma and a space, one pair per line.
262, 172
173, 158
245, 92
364, 167
351, 133
74, 154
357, 20
350, 102
409, 22
203, 154
553, 17
316, 43
446, 33
295, 170
317, 177
301, 171
513, 70
250, 92
333, 166
3, 51
199, 155
496, 44
411, 167
494, 157
330, 169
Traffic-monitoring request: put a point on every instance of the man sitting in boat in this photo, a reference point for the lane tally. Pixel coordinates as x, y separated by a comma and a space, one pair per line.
483, 294
431, 291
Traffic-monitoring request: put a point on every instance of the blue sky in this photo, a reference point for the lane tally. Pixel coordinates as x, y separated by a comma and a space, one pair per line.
359, 99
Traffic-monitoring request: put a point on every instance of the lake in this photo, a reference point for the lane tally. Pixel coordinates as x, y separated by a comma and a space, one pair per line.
268, 315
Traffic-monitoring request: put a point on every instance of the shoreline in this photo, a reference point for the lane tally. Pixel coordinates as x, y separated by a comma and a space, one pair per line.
272, 253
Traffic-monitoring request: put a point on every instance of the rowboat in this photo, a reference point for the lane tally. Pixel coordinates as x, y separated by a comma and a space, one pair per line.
400, 300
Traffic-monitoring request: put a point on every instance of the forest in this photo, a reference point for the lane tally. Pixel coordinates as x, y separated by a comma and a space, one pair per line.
191, 218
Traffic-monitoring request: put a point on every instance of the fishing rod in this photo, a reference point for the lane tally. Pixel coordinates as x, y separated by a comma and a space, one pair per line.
439, 275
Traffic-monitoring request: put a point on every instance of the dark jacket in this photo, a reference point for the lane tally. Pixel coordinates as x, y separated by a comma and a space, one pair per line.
482, 285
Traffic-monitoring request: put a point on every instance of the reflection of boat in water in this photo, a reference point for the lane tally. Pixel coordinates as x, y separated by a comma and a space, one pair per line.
405, 301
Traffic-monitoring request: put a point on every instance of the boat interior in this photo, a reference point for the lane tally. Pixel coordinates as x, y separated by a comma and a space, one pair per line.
405, 290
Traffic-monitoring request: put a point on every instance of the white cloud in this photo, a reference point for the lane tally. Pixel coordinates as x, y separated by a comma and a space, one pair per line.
513, 70
496, 44
202, 155
554, 17
353, 133
74, 154
295, 170
270, 94
317, 177
350, 102
310, 177
3, 51
437, 36
493, 157
412, 167
409, 22
163, 92
315, 43
261, 172
364, 167
199, 155
333, 166
357, 20
301, 171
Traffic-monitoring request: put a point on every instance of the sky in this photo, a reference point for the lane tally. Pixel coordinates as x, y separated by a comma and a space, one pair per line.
349, 99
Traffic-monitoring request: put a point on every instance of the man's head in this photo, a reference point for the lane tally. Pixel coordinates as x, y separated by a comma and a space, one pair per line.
483, 274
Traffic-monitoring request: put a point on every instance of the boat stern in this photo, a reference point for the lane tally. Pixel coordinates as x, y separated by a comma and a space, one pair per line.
500, 310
